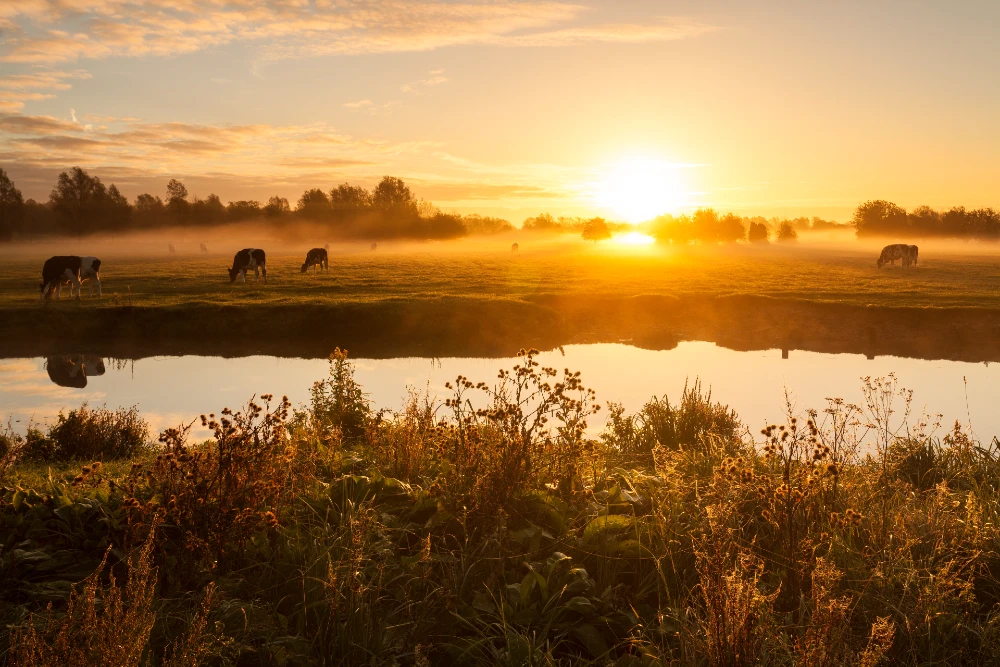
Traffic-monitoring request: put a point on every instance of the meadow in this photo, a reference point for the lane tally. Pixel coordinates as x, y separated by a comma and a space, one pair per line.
478, 298
332, 534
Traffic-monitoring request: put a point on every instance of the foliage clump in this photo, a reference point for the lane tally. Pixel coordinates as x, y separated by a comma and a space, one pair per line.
90, 434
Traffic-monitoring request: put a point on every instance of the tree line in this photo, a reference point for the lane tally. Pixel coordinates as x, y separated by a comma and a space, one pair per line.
882, 218
81, 204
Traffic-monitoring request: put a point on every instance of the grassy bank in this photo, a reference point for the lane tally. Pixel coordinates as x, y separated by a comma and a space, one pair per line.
445, 535
437, 299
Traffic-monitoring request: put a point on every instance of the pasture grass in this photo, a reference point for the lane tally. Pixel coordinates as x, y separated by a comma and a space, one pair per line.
838, 273
440, 534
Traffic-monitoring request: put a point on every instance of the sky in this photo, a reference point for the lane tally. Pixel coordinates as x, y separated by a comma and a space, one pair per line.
620, 108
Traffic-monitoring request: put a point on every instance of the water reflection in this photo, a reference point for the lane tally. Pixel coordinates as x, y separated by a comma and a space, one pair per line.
72, 370
174, 390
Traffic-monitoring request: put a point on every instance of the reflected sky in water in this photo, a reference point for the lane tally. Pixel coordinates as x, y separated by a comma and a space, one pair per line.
174, 390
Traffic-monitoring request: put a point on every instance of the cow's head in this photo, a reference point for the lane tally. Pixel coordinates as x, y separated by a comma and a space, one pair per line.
232, 274
305, 267
41, 288
880, 262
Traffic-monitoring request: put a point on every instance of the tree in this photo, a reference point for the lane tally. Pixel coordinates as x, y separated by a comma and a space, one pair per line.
276, 207
350, 197
757, 232
879, 217
118, 210
78, 199
208, 210
543, 222
177, 203
243, 210
149, 210
314, 204
596, 230
393, 196
786, 231
731, 228
11, 207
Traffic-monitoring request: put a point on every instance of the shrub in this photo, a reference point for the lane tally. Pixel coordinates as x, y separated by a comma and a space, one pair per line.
339, 405
89, 434
219, 496
694, 422
786, 232
757, 232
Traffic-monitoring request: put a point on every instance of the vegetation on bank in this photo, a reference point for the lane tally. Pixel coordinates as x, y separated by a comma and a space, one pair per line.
492, 529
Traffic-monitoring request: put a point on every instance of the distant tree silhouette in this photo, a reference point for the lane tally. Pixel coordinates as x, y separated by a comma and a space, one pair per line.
177, 204
244, 210
596, 229
276, 207
393, 196
78, 199
11, 207
149, 211
119, 212
207, 211
346, 197
757, 232
786, 231
879, 218
314, 204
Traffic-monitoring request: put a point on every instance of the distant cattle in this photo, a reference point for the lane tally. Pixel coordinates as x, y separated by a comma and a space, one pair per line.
171, 248
56, 271
72, 370
374, 247
316, 257
327, 247
514, 247
204, 248
90, 269
907, 254
249, 259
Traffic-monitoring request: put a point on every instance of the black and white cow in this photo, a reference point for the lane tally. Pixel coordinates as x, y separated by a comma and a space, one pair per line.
90, 269
56, 271
907, 254
316, 257
249, 259
72, 370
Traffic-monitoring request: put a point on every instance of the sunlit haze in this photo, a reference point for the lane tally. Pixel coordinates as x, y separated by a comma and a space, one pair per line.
511, 107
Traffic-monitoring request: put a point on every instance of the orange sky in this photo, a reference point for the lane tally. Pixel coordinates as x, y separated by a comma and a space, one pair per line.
513, 107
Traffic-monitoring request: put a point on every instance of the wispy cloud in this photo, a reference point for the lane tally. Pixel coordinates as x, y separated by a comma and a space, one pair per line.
59, 31
433, 78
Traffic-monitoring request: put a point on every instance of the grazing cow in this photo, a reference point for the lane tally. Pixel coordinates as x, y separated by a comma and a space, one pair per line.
514, 247
204, 248
316, 257
57, 270
72, 370
90, 269
249, 259
374, 247
907, 254
171, 248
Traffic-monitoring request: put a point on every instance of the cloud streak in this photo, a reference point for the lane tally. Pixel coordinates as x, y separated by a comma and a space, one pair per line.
56, 31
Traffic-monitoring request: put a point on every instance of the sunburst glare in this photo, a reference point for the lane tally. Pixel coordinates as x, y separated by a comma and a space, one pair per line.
636, 189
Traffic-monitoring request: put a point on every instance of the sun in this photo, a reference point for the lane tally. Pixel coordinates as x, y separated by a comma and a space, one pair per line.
637, 189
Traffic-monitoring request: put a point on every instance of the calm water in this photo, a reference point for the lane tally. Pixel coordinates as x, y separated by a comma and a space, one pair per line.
172, 390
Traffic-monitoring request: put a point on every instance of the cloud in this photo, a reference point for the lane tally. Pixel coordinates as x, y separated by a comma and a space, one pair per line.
59, 31
359, 104
434, 78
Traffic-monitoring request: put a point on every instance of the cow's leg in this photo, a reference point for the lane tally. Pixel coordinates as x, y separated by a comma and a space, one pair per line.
256, 273
264, 271
243, 276
75, 283
97, 281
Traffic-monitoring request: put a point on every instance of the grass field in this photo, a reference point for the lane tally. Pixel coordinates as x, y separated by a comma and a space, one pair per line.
838, 273
481, 298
